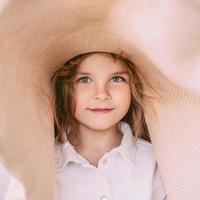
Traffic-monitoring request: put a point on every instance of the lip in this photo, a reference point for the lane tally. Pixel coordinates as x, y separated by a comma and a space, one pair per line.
101, 110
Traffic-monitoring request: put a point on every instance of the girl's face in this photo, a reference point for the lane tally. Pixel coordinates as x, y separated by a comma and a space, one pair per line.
102, 92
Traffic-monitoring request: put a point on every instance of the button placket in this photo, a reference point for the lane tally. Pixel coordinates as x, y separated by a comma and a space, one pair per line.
103, 187
104, 197
105, 161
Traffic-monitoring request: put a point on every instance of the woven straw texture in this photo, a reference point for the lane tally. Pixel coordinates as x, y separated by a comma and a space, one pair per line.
162, 38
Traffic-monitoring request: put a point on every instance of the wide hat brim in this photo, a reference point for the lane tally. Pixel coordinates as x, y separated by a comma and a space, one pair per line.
36, 38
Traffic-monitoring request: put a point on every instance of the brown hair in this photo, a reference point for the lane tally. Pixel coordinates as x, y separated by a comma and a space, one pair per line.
65, 124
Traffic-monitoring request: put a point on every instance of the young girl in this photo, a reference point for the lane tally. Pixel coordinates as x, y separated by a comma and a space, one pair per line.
99, 125
99, 117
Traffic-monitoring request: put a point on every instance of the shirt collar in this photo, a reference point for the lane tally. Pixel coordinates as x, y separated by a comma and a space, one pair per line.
66, 153
127, 147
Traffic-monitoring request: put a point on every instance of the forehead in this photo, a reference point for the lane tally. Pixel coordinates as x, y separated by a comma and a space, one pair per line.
102, 62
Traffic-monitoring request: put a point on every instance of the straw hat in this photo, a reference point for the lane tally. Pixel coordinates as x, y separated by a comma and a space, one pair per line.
38, 36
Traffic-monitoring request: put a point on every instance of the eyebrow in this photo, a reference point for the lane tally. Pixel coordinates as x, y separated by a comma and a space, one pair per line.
115, 73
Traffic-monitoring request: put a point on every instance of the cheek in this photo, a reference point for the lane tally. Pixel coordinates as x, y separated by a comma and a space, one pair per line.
81, 96
122, 96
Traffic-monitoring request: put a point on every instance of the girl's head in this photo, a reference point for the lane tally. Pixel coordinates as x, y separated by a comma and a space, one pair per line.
94, 81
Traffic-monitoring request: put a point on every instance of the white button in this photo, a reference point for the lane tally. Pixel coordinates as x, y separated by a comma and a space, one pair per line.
104, 197
105, 161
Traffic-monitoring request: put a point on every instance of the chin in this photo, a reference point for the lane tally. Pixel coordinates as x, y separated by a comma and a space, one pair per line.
99, 126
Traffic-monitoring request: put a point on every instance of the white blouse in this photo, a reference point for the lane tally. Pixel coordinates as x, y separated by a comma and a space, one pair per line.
127, 172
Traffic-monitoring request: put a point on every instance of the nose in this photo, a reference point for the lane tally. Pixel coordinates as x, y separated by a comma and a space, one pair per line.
101, 92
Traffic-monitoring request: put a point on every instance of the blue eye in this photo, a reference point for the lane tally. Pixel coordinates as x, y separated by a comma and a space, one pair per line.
84, 79
117, 79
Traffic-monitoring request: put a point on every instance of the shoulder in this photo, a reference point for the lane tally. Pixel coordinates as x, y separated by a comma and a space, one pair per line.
144, 145
61, 154
58, 148
144, 153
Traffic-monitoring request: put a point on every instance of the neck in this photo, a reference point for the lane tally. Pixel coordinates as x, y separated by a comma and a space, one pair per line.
94, 143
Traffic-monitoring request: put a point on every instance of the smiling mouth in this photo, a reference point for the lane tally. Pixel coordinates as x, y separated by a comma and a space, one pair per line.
101, 110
